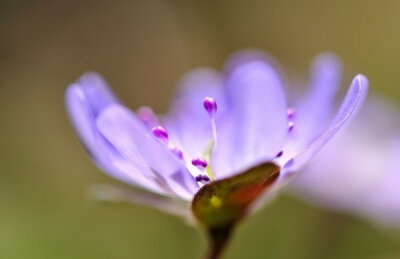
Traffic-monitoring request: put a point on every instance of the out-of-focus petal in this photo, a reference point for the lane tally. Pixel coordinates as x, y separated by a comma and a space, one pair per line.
353, 101
358, 171
112, 194
242, 57
314, 110
188, 123
137, 144
383, 203
256, 127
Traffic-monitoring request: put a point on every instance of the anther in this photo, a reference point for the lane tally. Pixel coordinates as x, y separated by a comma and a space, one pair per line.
290, 113
147, 115
290, 126
205, 178
280, 153
210, 105
161, 133
200, 163
202, 178
177, 152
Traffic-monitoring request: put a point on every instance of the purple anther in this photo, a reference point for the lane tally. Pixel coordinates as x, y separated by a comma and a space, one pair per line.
280, 153
199, 163
160, 132
205, 178
290, 126
199, 178
210, 105
177, 152
290, 113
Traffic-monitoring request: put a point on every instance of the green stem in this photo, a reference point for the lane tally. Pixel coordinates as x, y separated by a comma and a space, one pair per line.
218, 239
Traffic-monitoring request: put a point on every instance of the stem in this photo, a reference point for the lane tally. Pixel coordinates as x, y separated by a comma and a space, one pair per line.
218, 239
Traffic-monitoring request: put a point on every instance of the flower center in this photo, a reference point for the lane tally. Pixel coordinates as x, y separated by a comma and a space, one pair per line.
202, 172
201, 164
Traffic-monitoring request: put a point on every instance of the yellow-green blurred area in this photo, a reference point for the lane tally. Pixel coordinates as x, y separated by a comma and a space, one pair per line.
143, 48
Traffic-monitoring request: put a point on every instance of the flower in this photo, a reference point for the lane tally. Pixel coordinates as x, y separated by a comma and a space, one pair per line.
364, 177
227, 138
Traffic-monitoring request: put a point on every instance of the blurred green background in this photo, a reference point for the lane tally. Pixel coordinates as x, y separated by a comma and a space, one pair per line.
143, 48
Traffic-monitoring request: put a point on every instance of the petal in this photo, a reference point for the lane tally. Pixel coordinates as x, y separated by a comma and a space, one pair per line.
79, 103
242, 57
188, 123
84, 100
136, 143
353, 101
96, 91
256, 127
366, 170
116, 195
80, 114
315, 109
384, 196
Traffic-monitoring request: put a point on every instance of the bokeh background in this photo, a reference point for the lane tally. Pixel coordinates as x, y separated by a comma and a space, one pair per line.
143, 47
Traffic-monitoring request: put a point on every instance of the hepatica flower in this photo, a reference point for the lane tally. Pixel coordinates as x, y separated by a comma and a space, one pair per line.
228, 140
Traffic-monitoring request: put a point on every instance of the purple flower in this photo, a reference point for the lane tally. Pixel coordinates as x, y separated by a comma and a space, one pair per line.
196, 143
359, 172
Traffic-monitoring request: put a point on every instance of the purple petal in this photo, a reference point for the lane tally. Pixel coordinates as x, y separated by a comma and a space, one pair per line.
188, 122
353, 101
314, 110
96, 91
242, 57
137, 144
364, 177
80, 114
83, 102
384, 196
256, 127
108, 193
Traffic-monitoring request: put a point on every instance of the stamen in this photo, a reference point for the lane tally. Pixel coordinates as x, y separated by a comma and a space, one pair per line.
161, 133
200, 163
290, 113
205, 178
280, 153
147, 115
177, 152
202, 177
290, 126
210, 105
